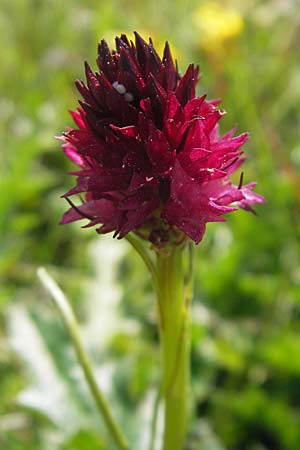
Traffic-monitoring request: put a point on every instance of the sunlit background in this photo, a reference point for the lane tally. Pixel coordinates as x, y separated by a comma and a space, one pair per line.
246, 309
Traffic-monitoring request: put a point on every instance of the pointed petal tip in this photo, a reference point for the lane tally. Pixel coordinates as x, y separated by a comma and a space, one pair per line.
137, 35
60, 138
167, 50
88, 70
79, 83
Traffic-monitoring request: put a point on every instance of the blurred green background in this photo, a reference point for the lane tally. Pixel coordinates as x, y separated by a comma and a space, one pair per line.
246, 311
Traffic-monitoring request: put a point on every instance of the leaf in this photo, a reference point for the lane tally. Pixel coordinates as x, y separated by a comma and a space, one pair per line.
48, 391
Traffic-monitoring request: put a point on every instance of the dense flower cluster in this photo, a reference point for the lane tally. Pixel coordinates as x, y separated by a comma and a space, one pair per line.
149, 151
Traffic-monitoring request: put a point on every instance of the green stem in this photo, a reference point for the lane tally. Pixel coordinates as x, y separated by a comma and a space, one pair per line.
174, 292
71, 324
140, 248
174, 302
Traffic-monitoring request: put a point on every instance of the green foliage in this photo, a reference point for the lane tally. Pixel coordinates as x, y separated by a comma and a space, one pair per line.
246, 323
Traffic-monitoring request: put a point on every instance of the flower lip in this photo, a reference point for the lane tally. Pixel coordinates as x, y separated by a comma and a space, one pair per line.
149, 151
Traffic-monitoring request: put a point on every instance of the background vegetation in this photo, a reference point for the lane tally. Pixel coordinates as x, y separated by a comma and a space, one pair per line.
246, 313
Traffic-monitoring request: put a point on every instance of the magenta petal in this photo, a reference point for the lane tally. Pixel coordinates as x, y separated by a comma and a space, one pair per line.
251, 198
197, 135
198, 153
78, 118
159, 151
131, 75
72, 154
100, 210
175, 214
230, 144
212, 119
106, 62
142, 51
130, 131
195, 207
136, 216
174, 111
185, 90
171, 74
136, 200
192, 108
85, 142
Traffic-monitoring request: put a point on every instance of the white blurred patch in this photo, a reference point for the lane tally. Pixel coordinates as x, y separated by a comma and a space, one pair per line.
48, 392
201, 314
103, 295
80, 17
22, 126
222, 239
7, 108
55, 58
47, 112
145, 416
267, 12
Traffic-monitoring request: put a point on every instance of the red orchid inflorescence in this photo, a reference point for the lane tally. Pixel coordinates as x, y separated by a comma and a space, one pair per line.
150, 154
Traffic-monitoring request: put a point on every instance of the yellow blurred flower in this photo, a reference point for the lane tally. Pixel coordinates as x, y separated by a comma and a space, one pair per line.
217, 24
